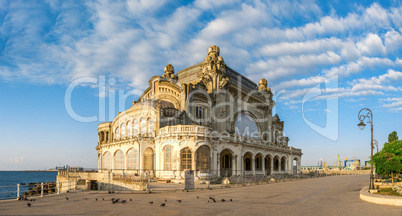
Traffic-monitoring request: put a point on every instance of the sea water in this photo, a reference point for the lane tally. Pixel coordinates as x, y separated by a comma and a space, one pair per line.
12, 178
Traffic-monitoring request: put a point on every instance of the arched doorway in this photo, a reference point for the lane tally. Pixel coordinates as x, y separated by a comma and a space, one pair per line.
258, 162
295, 161
276, 163
148, 159
248, 161
203, 161
226, 163
185, 159
268, 164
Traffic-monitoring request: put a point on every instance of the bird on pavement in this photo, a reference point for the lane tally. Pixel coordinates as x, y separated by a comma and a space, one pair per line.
123, 201
163, 204
151, 202
223, 200
131, 200
231, 200
29, 204
178, 200
66, 198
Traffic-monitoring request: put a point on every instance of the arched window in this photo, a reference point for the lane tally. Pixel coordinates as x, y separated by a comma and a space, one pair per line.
119, 159
136, 127
185, 156
132, 159
123, 130
246, 126
169, 157
117, 133
150, 126
129, 128
203, 158
107, 161
258, 162
143, 126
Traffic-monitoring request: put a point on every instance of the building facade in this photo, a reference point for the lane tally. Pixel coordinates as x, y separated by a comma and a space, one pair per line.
207, 118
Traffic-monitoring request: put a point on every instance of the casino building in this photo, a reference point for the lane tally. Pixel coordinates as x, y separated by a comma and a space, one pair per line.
207, 118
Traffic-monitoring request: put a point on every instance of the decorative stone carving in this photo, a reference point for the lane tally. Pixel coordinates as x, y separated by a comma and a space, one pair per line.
213, 70
263, 85
169, 72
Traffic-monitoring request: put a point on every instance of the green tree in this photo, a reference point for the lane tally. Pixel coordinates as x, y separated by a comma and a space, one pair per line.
389, 160
392, 137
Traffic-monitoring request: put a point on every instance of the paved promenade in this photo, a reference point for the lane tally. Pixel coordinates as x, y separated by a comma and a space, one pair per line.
335, 195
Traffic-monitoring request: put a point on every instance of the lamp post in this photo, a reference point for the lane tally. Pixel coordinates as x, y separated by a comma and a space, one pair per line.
361, 125
375, 143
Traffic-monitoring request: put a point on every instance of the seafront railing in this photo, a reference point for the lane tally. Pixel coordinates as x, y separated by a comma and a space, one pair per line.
31, 190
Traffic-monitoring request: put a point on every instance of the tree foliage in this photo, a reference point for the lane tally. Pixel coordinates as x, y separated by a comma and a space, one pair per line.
389, 159
393, 137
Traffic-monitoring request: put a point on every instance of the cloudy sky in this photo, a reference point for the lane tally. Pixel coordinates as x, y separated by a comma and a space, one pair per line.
324, 62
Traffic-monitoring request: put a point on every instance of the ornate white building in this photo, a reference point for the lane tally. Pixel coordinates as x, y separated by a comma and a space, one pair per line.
207, 118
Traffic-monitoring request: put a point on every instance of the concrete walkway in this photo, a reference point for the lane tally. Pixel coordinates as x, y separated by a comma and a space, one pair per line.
336, 195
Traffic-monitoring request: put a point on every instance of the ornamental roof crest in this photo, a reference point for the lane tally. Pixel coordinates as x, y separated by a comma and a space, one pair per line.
213, 70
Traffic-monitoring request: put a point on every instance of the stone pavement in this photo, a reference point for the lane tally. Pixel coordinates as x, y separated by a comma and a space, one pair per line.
335, 195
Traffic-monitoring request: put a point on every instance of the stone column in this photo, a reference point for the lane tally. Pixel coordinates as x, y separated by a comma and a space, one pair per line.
218, 167
280, 165
234, 164
272, 165
263, 165
253, 163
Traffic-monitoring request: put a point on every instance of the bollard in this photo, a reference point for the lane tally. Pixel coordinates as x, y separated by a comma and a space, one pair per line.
18, 191
58, 187
41, 189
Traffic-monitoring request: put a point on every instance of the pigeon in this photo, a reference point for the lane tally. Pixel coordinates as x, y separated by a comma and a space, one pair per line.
32, 200
210, 197
68, 191
165, 200
131, 200
96, 199
29, 204
66, 198
198, 197
123, 201
103, 198
178, 200
118, 199
231, 200
163, 204
109, 192
151, 202
223, 200
213, 200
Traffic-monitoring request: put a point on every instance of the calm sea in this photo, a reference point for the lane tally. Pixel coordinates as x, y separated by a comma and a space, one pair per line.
12, 178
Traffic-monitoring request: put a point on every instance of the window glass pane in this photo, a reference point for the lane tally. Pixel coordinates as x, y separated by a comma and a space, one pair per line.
107, 160
143, 126
129, 128
119, 160
150, 126
246, 126
132, 159
135, 127
168, 158
117, 134
123, 130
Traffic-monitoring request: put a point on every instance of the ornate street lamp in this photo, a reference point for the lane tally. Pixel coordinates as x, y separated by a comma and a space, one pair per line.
375, 143
361, 125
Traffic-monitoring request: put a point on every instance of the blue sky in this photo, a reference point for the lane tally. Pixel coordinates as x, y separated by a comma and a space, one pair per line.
350, 49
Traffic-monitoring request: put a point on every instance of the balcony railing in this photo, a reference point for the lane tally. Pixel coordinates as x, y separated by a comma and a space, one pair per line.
192, 129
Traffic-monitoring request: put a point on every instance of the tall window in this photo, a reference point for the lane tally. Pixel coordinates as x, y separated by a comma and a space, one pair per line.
132, 159
203, 158
185, 155
117, 133
107, 160
258, 164
143, 126
200, 112
119, 160
168, 158
123, 130
148, 159
246, 126
136, 129
150, 126
129, 128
